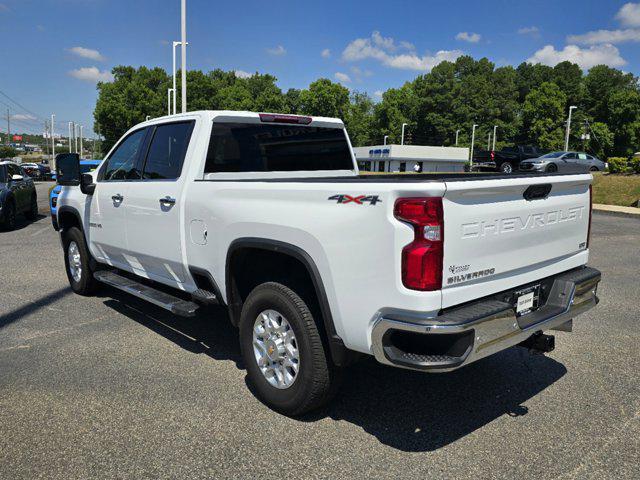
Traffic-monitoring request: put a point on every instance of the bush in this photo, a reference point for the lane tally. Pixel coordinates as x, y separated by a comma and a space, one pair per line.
618, 165
635, 165
7, 152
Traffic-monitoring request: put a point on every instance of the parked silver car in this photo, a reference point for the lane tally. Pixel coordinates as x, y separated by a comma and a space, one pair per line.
566, 162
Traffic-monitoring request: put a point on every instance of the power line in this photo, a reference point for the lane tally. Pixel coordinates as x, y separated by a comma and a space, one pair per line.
21, 106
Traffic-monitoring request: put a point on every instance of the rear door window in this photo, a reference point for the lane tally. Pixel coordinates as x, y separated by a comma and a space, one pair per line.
250, 147
123, 162
167, 151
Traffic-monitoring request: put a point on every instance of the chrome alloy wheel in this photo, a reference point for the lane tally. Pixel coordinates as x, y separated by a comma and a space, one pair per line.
75, 264
276, 349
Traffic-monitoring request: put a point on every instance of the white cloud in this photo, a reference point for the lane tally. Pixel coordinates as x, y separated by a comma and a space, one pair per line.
243, 74
23, 117
629, 15
606, 36
378, 93
342, 77
326, 53
605, 54
87, 53
532, 30
164, 42
278, 51
384, 49
91, 74
469, 37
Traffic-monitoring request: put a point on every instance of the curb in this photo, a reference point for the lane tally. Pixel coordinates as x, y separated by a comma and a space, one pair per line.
615, 213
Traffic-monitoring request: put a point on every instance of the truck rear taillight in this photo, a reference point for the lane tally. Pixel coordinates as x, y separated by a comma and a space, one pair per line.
274, 118
590, 214
422, 258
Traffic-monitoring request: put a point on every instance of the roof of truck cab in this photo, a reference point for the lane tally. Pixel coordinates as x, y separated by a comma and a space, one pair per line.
241, 115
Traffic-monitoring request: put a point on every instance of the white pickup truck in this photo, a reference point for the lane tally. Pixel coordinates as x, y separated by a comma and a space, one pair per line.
267, 215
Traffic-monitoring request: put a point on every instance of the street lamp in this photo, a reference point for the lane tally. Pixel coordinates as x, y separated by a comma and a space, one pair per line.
183, 41
489, 141
402, 139
169, 92
53, 142
566, 137
457, 132
495, 127
70, 127
175, 44
81, 127
384, 142
473, 139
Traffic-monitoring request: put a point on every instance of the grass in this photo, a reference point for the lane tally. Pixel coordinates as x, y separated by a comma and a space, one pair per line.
618, 189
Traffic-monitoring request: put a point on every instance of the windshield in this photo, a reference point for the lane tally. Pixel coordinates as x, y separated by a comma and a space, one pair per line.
87, 168
552, 155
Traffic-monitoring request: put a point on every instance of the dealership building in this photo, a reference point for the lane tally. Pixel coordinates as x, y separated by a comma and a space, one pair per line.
405, 158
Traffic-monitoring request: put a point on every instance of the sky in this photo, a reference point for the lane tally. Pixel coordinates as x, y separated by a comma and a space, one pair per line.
54, 51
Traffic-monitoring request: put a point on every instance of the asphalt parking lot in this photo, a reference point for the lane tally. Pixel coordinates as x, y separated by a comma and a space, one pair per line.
111, 387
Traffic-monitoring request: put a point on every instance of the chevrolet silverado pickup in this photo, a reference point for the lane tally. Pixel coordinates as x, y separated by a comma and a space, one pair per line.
317, 265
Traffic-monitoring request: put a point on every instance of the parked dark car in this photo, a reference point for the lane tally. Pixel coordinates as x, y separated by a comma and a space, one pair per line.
17, 195
31, 169
45, 171
506, 160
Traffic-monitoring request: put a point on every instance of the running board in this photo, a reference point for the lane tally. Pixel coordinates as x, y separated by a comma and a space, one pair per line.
175, 305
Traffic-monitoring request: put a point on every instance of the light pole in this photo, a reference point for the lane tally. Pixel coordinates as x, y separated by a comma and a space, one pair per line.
566, 137
75, 136
402, 139
384, 142
81, 127
53, 142
175, 44
70, 126
457, 132
495, 127
473, 139
489, 141
184, 54
169, 90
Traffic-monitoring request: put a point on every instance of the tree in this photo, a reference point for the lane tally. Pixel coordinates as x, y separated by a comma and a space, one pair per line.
601, 142
543, 114
624, 108
397, 107
599, 84
325, 98
530, 77
359, 119
568, 77
7, 152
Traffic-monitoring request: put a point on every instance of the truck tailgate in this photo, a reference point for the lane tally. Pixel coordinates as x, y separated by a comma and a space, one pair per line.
496, 239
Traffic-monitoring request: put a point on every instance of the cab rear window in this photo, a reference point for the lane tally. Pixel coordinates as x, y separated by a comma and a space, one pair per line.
243, 147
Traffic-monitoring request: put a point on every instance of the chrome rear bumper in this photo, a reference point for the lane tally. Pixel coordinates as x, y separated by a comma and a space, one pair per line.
463, 335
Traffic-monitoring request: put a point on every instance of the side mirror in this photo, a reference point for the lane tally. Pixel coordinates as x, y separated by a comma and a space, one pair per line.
68, 169
17, 178
86, 184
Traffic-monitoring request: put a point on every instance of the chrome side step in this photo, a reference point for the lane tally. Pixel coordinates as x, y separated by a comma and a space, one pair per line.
175, 305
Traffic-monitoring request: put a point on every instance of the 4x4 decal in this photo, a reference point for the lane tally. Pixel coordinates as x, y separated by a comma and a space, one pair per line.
359, 200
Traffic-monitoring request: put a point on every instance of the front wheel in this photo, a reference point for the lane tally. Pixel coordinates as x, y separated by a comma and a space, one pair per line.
506, 167
552, 168
594, 169
77, 261
286, 362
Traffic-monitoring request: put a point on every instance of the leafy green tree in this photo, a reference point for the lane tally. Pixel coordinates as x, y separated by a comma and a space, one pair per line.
624, 108
292, 101
543, 115
601, 142
599, 84
530, 77
7, 152
568, 76
325, 98
359, 119
397, 107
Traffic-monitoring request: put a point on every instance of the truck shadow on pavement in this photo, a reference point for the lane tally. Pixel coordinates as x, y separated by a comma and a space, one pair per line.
406, 410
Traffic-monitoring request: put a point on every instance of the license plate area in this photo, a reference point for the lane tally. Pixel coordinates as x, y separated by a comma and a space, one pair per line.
526, 300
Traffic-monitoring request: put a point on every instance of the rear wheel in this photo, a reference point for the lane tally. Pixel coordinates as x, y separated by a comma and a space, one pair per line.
77, 261
552, 168
594, 169
32, 213
286, 362
506, 167
9, 222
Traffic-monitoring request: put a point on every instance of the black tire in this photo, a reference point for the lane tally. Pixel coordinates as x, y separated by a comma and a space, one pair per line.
85, 284
506, 167
316, 380
594, 169
32, 213
9, 222
552, 168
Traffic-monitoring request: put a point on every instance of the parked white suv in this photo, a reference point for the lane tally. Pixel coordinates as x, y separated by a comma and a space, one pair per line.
268, 215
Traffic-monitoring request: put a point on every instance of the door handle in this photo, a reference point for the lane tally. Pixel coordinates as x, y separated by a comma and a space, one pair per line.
117, 197
167, 201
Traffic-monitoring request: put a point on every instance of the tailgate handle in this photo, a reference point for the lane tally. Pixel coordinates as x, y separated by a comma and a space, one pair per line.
536, 192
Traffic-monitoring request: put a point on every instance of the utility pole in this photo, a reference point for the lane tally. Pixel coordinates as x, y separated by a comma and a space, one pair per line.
46, 137
566, 138
495, 128
175, 44
169, 90
402, 139
184, 54
457, 132
8, 127
489, 141
75, 137
81, 127
473, 139
69, 139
